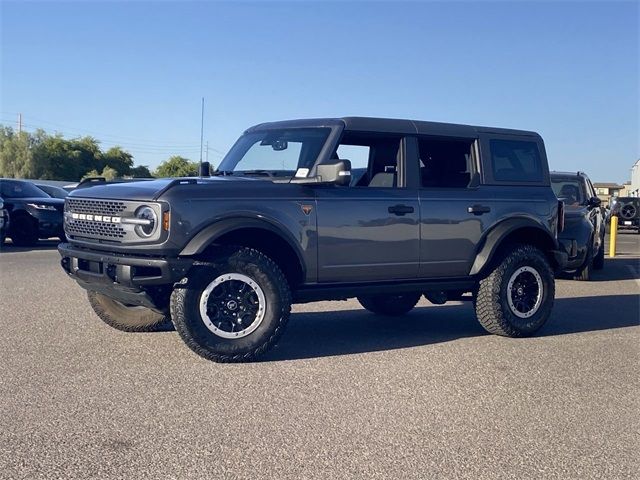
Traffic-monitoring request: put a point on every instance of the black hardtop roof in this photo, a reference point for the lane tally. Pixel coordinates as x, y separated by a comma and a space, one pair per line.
392, 125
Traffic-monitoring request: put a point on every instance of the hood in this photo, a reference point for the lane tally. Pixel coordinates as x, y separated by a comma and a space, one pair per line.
41, 200
147, 190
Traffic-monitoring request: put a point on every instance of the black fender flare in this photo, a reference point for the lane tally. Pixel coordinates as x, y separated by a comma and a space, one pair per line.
493, 239
205, 237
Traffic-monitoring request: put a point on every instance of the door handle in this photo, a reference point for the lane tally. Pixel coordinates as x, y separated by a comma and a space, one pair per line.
478, 209
400, 209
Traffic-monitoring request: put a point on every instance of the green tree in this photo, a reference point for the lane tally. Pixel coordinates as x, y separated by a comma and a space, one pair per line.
118, 159
107, 172
39, 155
141, 171
16, 156
177, 166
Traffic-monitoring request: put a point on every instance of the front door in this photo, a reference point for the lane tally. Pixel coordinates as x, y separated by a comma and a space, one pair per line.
370, 230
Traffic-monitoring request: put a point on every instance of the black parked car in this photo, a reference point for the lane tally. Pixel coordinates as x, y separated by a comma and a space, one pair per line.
33, 214
627, 209
583, 234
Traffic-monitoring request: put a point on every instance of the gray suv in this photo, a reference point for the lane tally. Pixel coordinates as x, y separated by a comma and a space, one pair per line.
447, 211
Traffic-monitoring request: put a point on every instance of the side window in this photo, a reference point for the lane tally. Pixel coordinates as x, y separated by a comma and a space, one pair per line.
445, 163
374, 159
515, 161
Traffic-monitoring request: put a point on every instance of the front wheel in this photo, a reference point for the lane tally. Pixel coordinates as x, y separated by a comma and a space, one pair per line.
598, 260
128, 318
234, 309
584, 274
391, 305
515, 300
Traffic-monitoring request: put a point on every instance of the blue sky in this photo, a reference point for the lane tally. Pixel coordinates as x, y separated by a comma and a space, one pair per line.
133, 73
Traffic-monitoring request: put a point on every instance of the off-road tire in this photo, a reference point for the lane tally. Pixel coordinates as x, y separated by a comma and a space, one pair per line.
598, 260
128, 318
584, 275
390, 305
491, 301
185, 306
24, 231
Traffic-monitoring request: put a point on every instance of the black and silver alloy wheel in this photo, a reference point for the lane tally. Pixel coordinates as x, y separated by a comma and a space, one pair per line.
232, 306
515, 299
524, 292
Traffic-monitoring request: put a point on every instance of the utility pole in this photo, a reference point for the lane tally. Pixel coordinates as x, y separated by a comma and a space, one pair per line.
201, 131
19, 123
207, 150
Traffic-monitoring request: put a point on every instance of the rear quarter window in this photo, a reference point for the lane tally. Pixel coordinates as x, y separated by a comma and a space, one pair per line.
515, 161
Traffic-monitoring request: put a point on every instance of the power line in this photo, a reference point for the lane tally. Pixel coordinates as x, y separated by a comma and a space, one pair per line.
140, 148
73, 131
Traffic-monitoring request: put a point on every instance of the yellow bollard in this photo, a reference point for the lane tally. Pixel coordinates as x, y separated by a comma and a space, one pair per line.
612, 236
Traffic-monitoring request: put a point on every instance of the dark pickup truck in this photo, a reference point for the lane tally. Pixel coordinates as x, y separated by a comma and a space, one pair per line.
447, 211
584, 223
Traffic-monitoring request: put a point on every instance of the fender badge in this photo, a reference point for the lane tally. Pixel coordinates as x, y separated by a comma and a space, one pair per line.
306, 209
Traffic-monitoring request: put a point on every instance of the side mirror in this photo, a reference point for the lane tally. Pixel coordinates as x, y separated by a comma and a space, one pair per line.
594, 202
338, 173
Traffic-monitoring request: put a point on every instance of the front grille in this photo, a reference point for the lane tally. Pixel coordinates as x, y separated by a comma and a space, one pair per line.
83, 228
96, 220
99, 207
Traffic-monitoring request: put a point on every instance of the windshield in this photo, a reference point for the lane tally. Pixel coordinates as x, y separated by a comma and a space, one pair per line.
55, 192
569, 190
276, 152
18, 189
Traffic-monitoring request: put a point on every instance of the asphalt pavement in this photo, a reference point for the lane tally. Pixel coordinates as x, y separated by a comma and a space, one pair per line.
345, 394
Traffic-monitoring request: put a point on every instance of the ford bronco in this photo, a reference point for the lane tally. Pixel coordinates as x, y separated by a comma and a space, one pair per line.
306, 210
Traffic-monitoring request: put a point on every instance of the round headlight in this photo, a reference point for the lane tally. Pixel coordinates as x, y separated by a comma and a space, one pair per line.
151, 221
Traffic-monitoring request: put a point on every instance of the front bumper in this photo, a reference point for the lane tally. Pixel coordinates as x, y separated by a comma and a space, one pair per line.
132, 280
50, 223
561, 258
577, 254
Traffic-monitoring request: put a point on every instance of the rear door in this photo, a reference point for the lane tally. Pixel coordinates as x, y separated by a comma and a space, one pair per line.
370, 230
455, 210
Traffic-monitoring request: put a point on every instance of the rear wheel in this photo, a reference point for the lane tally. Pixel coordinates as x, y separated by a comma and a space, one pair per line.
391, 305
128, 318
515, 300
234, 309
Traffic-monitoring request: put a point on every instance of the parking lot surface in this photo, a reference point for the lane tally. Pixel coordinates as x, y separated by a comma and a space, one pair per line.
345, 394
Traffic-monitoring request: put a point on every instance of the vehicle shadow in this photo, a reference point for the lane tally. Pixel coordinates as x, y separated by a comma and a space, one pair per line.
321, 334
619, 268
49, 244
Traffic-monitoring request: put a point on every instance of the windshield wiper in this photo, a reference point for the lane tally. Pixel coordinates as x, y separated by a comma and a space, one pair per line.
222, 173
